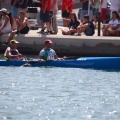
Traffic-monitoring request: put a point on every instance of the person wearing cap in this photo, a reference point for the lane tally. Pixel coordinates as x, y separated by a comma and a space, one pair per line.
5, 26
12, 53
48, 53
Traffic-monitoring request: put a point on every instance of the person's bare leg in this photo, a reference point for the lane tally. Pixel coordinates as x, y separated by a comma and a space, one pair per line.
43, 27
65, 32
48, 26
10, 36
106, 33
113, 33
20, 28
1, 32
81, 29
14, 26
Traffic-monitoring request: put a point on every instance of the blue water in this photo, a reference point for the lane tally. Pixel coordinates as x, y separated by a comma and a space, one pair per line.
28, 93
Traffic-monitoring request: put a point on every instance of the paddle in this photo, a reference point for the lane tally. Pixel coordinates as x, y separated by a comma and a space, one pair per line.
70, 57
30, 63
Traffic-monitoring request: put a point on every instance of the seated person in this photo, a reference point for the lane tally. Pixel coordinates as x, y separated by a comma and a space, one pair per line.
22, 26
12, 53
117, 32
74, 23
113, 27
48, 53
5, 26
87, 27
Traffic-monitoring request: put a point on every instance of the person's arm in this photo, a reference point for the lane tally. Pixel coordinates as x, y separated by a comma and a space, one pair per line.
24, 23
41, 59
56, 57
115, 27
106, 28
86, 25
6, 21
8, 53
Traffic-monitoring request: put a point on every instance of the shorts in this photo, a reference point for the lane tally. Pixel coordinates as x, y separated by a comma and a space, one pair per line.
40, 14
95, 11
103, 16
65, 14
14, 11
25, 30
45, 16
88, 32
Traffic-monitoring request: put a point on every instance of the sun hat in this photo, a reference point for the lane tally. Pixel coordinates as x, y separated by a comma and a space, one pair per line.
3, 10
13, 41
48, 41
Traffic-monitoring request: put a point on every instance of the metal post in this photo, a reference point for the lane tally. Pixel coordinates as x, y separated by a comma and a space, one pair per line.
99, 19
89, 7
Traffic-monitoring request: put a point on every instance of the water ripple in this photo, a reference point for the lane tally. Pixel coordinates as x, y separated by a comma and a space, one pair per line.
59, 94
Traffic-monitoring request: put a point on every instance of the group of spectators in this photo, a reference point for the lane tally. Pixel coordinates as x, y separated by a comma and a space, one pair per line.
13, 18
17, 22
89, 22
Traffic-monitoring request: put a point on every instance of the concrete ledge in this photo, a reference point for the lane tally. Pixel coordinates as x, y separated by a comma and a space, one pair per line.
32, 43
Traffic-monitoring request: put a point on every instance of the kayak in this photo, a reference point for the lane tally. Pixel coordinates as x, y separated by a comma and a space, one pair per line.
83, 62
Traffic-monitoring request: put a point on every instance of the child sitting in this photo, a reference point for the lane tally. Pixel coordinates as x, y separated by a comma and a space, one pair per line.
72, 27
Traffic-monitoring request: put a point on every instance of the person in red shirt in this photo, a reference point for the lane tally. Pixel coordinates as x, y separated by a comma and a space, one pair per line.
45, 18
66, 6
70, 6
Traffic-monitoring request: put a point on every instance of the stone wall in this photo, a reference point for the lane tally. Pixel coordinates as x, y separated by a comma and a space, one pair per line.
74, 45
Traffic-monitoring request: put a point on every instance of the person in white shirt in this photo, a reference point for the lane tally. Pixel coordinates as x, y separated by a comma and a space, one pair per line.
115, 6
5, 26
113, 27
103, 10
48, 53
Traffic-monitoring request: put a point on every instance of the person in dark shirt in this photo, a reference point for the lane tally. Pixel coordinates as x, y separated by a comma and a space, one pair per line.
12, 53
74, 23
85, 9
23, 5
87, 27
